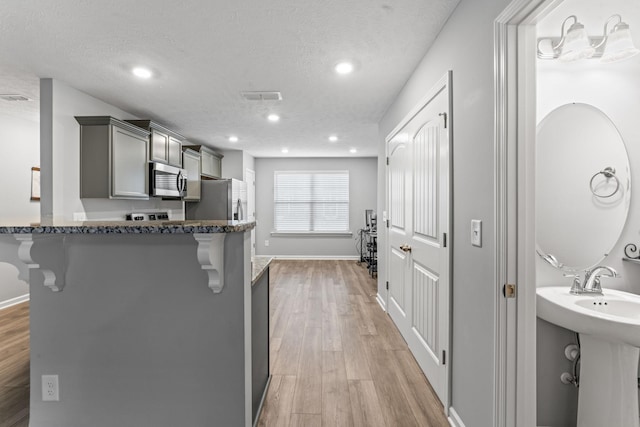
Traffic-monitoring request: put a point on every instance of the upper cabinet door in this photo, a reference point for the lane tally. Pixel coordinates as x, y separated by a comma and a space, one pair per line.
191, 162
175, 152
159, 145
129, 165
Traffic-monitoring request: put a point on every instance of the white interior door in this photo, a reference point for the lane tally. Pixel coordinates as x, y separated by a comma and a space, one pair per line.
251, 205
419, 207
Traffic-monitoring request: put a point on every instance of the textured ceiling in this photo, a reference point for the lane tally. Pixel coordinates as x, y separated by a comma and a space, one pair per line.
204, 53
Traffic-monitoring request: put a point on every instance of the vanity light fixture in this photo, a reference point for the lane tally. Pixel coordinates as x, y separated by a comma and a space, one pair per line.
333, 138
233, 138
143, 73
619, 44
614, 45
273, 118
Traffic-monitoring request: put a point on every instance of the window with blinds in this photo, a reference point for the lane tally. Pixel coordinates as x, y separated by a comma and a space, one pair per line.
311, 201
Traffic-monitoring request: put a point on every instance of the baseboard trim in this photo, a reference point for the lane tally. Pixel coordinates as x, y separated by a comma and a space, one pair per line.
381, 302
264, 396
13, 301
454, 418
318, 257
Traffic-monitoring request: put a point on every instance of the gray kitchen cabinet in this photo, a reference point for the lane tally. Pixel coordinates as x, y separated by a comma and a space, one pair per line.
174, 152
191, 163
211, 163
113, 159
259, 341
165, 144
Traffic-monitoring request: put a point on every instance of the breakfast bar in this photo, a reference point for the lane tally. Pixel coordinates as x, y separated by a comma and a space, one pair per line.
146, 323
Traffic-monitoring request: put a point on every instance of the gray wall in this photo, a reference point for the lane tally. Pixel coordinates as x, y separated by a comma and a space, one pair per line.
465, 45
362, 195
20, 150
60, 158
612, 88
235, 164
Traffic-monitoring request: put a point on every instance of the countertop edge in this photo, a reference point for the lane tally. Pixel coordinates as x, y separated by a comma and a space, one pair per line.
259, 265
148, 227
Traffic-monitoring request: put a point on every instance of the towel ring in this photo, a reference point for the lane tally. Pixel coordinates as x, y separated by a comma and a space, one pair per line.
608, 172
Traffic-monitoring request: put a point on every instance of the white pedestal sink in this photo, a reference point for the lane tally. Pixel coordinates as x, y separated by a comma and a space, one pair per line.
609, 328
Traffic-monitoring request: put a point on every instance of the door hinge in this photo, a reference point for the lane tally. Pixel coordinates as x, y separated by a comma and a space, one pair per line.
444, 240
387, 285
444, 357
445, 119
509, 291
387, 223
387, 161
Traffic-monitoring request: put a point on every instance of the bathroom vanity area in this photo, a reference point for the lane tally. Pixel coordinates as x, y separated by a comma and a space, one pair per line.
146, 324
586, 214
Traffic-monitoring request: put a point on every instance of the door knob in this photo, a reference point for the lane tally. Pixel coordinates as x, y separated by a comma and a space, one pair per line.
405, 248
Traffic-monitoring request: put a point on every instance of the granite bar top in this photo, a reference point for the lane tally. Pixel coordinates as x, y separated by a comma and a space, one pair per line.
129, 227
259, 265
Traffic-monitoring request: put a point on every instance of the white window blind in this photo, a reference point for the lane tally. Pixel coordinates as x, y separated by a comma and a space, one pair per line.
311, 201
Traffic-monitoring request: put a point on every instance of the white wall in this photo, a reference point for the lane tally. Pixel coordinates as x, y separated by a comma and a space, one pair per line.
20, 150
362, 195
465, 45
614, 89
60, 158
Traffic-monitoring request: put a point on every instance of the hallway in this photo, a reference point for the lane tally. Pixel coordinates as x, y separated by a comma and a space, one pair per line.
336, 357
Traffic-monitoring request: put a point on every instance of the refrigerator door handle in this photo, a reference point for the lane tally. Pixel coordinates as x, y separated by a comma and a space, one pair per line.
239, 212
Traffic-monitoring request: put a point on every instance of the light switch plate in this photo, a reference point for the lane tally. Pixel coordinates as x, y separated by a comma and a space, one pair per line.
476, 232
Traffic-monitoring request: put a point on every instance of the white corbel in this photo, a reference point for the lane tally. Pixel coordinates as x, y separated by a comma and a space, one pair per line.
211, 257
56, 284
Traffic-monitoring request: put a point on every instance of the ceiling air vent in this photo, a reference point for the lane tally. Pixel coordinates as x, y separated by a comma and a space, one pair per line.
261, 96
14, 97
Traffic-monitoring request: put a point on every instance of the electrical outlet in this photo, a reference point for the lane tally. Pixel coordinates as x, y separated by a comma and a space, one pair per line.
266, 243
50, 392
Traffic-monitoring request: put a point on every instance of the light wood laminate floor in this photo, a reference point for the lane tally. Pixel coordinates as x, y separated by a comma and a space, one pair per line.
336, 358
14, 366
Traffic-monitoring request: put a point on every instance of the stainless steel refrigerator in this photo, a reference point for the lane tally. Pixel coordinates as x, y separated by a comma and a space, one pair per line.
224, 199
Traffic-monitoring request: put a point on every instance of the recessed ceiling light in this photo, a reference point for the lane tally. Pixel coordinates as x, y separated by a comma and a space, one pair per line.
273, 117
353, 151
344, 67
233, 138
143, 73
333, 138
285, 150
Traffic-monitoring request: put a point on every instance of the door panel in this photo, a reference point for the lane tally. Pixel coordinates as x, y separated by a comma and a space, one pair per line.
397, 172
425, 308
425, 176
397, 283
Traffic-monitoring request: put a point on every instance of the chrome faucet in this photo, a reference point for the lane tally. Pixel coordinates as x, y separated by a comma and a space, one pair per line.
591, 284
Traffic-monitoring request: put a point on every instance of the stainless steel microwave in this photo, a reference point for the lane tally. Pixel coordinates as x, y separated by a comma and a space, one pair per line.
167, 181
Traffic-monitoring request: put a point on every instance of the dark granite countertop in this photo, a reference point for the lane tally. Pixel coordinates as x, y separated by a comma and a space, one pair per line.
129, 227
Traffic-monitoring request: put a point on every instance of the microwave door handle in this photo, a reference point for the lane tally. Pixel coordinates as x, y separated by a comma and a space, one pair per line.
180, 182
183, 183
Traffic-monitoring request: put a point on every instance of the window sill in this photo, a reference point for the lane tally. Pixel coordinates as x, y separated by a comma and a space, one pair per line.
311, 234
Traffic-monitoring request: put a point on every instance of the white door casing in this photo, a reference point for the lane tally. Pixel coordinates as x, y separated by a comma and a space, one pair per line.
515, 125
250, 177
419, 210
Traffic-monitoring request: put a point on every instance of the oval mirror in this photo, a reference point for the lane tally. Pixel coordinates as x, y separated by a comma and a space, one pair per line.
582, 186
